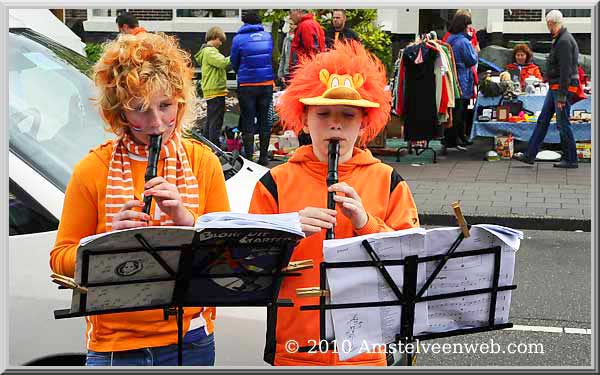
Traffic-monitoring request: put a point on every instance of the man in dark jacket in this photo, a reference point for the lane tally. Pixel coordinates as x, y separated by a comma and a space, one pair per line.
563, 78
338, 29
251, 58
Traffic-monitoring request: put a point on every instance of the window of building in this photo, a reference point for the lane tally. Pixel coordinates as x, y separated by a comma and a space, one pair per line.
229, 13
569, 13
106, 12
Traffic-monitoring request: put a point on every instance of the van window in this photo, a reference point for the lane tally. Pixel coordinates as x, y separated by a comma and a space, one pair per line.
26, 215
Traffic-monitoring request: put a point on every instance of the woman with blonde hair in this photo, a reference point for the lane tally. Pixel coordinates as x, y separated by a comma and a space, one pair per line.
145, 88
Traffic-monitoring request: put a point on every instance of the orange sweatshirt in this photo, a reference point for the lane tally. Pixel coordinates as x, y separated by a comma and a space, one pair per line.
84, 214
525, 71
300, 183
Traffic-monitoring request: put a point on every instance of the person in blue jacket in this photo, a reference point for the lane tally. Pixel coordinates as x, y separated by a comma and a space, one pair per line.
465, 57
251, 58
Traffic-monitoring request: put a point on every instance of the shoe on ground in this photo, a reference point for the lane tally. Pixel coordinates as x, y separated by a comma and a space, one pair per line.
565, 164
523, 158
461, 148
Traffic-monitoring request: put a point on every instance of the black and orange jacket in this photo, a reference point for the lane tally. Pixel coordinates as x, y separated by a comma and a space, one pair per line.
561, 64
299, 183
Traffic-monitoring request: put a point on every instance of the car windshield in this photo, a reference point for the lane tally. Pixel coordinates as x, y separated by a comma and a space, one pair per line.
52, 121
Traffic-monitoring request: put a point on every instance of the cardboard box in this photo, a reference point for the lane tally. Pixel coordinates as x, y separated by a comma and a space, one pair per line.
584, 151
288, 141
379, 140
504, 146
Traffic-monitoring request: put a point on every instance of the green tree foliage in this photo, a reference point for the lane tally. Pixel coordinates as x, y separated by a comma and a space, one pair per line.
362, 21
276, 17
93, 51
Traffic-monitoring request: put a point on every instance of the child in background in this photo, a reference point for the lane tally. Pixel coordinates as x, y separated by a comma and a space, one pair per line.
214, 82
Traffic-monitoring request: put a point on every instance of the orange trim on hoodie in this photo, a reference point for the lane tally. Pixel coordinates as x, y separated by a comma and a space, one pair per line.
264, 83
138, 30
526, 70
301, 182
83, 215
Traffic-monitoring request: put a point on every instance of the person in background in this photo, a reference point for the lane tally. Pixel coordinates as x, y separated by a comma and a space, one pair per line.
338, 94
522, 62
309, 38
465, 58
213, 66
251, 58
563, 77
128, 24
471, 33
145, 88
284, 60
338, 30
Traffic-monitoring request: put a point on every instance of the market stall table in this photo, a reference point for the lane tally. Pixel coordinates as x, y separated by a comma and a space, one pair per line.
522, 130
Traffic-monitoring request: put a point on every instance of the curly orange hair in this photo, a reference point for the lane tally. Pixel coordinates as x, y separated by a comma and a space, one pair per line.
135, 67
344, 58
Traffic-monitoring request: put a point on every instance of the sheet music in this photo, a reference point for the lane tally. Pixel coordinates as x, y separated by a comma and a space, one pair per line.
130, 295
121, 256
123, 238
372, 325
473, 272
365, 284
289, 222
105, 267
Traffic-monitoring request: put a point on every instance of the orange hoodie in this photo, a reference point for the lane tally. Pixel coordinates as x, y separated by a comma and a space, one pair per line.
84, 214
526, 70
300, 183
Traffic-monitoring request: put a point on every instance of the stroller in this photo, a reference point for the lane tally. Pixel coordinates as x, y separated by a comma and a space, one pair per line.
233, 138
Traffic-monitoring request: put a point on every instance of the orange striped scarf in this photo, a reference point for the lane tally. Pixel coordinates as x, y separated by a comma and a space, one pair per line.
177, 171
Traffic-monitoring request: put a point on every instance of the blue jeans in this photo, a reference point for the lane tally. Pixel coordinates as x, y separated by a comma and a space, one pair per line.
200, 352
567, 141
255, 102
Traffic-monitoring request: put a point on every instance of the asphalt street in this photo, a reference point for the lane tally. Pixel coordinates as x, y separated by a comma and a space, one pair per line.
551, 311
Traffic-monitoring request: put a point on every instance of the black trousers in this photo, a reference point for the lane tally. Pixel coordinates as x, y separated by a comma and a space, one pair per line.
255, 102
456, 134
215, 112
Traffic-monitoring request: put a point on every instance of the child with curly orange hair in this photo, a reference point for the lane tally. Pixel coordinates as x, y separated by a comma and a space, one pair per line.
145, 88
336, 95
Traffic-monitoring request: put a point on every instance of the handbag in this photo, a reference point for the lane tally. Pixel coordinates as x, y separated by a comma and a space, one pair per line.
490, 88
515, 106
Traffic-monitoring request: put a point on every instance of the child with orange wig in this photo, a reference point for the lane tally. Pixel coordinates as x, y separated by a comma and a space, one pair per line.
145, 88
336, 95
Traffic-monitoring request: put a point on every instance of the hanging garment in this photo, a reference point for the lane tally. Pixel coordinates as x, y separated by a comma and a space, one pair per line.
420, 105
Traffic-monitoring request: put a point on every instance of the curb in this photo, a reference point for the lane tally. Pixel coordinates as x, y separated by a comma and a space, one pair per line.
535, 223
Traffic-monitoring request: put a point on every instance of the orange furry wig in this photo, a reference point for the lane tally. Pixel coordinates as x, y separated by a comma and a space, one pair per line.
135, 67
345, 59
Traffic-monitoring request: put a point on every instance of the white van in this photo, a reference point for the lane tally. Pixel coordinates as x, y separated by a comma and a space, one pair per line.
52, 125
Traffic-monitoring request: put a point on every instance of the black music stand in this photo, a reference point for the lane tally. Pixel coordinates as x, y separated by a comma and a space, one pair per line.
220, 267
410, 295
419, 149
